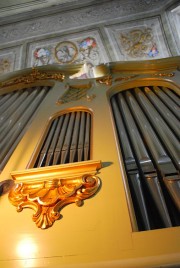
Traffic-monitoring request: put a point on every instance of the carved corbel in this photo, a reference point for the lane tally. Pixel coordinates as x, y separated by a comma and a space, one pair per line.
47, 190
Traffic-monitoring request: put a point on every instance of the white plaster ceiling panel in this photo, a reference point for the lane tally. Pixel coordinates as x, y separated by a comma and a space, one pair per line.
77, 18
84, 47
12, 7
174, 19
10, 59
138, 40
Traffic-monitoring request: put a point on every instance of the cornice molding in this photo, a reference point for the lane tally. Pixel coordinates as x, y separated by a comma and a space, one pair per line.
43, 75
148, 66
103, 73
32, 77
75, 18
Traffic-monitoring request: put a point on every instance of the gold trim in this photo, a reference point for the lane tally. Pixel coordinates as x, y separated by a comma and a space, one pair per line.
143, 82
74, 93
164, 74
47, 190
34, 76
65, 44
145, 66
124, 78
107, 80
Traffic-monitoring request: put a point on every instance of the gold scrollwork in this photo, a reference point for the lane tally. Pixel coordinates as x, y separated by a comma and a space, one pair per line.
32, 77
164, 74
124, 78
107, 80
74, 93
46, 192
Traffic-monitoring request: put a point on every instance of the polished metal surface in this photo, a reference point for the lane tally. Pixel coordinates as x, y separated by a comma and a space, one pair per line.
17, 110
67, 140
151, 148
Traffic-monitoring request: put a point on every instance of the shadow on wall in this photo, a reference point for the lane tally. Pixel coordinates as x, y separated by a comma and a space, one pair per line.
6, 186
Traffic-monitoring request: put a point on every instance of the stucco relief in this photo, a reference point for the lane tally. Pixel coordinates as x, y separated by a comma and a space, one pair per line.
76, 49
6, 64
9, 60
76, 18
140, 40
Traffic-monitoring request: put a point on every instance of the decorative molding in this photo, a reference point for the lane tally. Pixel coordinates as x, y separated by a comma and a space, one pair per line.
66, 52
5, 65
18, 6
124, 78
164, 74
77, 48
84, 16
107, 80
74, 93
10, 59
141, 39
35, 75
47, 190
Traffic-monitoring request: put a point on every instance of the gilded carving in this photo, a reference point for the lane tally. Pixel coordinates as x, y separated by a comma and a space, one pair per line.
107, 80
74, 93
164, 74
124, 78
47, 190
35, 75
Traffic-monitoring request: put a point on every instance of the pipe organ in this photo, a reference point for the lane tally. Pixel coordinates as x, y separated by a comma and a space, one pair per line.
17, 108
151, 152
110, 146
67, 141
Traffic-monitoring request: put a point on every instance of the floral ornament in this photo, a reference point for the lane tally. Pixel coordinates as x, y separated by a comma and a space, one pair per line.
42, 56
88, 43
5, 66
153, 51
137, 42
66, 52
41, 52
88, 51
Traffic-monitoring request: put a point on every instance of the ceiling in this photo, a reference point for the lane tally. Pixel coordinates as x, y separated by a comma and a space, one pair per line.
15, 7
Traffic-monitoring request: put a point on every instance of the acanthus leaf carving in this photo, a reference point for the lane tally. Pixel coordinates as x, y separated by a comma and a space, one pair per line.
32, 77
107, 80
47, 196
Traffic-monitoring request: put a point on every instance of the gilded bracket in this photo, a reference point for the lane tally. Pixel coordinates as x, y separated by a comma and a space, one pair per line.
47, 190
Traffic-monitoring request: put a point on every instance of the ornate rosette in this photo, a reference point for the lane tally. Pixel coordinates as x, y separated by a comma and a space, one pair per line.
66, 52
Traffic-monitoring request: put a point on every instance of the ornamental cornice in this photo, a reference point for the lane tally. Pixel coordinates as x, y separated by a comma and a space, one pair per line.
32, 77
71, 19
